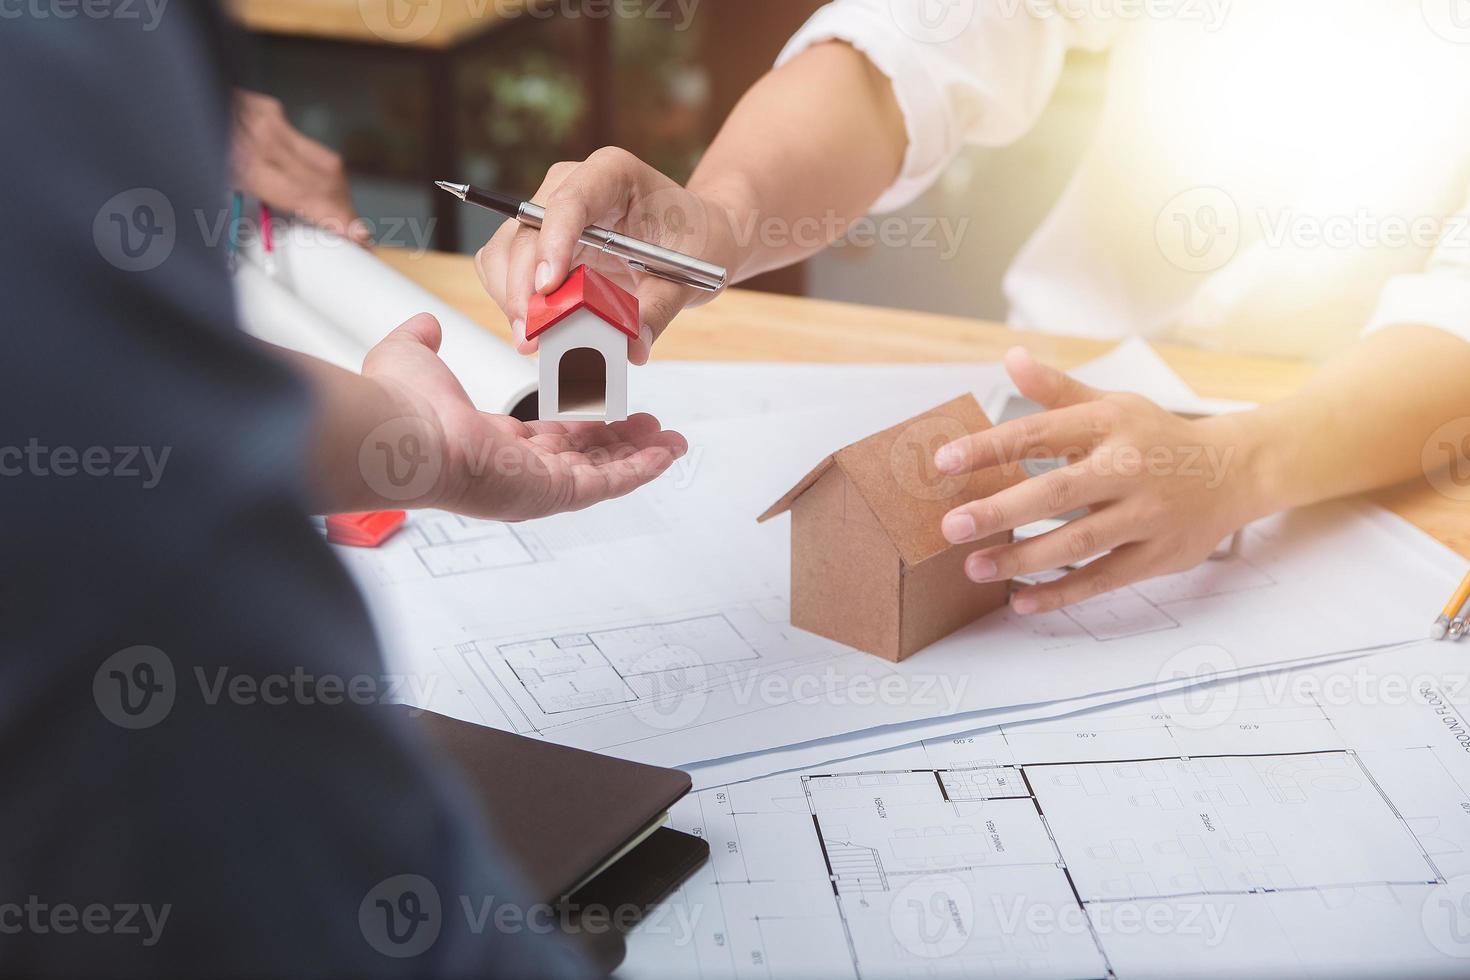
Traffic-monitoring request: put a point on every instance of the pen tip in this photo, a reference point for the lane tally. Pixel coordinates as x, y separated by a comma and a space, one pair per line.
458, 190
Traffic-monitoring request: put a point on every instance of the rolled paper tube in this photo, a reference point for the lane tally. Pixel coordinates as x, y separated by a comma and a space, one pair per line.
365, 299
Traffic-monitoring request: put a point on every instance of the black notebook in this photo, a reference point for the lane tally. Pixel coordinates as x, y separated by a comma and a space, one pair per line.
586, 830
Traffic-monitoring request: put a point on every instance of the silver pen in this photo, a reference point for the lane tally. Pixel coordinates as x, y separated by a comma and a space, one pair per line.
641, 256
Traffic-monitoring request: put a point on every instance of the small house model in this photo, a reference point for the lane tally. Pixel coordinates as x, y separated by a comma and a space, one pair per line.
869, 566
583, 330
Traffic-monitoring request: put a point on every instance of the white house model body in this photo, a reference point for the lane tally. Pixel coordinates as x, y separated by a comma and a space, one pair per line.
583, 329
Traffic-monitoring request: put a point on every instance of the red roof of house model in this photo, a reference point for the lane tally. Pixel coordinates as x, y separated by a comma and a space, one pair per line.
584, 289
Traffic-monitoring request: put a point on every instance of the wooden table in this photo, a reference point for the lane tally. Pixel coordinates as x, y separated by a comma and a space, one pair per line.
749, 326
434, 24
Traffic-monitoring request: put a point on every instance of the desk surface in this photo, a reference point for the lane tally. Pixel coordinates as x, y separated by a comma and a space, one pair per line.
433, 24
750, 326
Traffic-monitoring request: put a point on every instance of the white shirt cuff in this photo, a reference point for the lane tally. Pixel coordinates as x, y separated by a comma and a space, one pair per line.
930, 139
1430, 299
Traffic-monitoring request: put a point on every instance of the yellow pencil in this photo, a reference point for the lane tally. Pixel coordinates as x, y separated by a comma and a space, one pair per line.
1452, 609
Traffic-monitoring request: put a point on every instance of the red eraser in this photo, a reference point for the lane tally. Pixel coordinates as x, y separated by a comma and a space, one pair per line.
364, 530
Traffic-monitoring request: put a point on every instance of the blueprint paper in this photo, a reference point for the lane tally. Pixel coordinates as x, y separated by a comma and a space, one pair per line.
1186, 670
1311, 823
1190, 670
654, 628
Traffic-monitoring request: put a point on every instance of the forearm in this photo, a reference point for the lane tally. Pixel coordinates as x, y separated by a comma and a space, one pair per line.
371, 449
808, 150
1362, 421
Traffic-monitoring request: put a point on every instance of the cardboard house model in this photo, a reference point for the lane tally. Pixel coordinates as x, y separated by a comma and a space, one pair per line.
869, 566
583, 330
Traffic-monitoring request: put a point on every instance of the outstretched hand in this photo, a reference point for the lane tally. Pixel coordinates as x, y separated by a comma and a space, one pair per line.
492, 466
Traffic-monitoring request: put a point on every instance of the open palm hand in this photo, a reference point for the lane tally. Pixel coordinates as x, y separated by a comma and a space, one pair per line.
496, 467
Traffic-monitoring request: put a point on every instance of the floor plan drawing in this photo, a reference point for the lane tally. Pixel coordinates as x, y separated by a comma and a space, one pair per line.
1144, 607
1227, 575
615, 666
653, 670
1119, 843
435, 545
439, 545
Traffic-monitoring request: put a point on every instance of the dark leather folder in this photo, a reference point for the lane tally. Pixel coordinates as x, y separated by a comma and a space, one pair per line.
585, 829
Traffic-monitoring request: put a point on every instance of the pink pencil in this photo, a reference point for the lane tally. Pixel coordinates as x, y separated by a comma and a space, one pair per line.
267, 237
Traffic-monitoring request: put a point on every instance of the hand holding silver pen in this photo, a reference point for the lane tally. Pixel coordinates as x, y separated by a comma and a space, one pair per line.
641, 256
668, 245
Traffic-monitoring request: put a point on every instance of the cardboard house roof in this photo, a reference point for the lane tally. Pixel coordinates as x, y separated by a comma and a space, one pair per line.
584, 290
894, 473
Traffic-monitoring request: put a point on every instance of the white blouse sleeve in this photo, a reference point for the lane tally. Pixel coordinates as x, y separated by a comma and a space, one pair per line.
1439, 296
963, 71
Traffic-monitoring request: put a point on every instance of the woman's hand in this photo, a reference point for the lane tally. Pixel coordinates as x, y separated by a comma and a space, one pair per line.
290, 171
1162, 491
434, 444
615, 190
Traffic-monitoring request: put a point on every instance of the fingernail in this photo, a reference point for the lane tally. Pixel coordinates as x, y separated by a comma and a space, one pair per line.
980, 569
958, 528
1025, 605
518, 330
543, 275
949, 459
